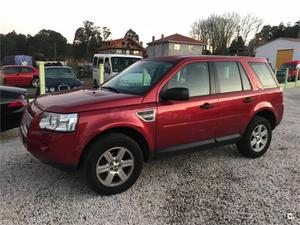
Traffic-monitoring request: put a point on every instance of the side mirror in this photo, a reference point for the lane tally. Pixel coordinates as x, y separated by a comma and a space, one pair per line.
176, 94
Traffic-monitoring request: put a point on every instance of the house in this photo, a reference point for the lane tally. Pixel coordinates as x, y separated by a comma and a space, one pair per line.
279, 51
175, 44
126, 46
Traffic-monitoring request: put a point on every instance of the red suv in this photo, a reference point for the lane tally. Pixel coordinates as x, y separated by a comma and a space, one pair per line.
155, 107
20, 76
293, 67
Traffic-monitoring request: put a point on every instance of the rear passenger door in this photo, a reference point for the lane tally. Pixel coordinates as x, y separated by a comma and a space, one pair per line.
236, 98
26, 75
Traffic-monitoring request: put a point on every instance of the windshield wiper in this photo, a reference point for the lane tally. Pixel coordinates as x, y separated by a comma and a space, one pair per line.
110, 88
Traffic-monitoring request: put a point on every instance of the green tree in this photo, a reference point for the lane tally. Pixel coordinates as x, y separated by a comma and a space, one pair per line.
13, 44
268, 33
48, 43
88, 39
237, 45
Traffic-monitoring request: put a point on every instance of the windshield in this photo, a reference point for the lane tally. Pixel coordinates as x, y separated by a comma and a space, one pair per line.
121, 63
138, 78
291, 66
51, 73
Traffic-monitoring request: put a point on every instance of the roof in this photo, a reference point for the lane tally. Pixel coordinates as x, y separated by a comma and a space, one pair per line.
58, 67
122, 43
117, 55
281, 38
177, 38
293, 62
5, 66
177, 58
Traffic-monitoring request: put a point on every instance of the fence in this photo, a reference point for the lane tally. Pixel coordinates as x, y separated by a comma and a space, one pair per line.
288, 81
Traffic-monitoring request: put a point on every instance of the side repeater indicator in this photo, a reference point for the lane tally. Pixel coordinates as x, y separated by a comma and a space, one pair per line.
147, 115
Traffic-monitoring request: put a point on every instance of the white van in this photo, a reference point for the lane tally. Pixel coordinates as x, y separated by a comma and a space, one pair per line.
113, 64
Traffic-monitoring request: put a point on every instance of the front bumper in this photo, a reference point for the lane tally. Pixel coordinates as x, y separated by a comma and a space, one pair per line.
54, 148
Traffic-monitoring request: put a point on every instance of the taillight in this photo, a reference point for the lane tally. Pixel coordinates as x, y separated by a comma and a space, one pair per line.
20, 102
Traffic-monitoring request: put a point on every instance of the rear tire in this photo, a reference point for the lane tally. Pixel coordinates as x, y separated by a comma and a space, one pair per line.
113, 164
256, 139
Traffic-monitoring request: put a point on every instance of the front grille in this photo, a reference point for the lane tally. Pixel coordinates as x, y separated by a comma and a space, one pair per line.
26, 121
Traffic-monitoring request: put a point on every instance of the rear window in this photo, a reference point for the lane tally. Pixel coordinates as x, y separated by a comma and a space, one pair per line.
11, 70
54, 73
291, 66
264, 74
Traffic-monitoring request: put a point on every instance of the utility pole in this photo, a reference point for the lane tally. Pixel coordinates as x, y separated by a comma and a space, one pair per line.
0, 51
55, 51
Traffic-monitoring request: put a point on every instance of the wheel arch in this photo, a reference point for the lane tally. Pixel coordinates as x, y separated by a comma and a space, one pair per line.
129, 131
268, 114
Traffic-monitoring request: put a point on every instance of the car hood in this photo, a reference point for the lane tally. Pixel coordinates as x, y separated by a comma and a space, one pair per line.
84, 100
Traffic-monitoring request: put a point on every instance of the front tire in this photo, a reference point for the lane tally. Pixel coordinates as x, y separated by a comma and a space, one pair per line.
256, 139
113, 164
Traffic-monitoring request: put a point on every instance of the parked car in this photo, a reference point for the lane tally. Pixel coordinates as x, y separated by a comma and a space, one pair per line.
58, 78
155, 107
113, 64
20, 76
12, 104
292, 66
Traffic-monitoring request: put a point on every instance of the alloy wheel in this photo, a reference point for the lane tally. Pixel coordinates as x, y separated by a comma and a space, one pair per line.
115, 166
259, 138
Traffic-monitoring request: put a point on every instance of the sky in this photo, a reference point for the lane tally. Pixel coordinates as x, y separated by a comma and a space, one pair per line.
146, 17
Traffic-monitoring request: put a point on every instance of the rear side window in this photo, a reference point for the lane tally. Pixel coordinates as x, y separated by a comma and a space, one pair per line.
264, 74
228, 76
26, 70
11, 70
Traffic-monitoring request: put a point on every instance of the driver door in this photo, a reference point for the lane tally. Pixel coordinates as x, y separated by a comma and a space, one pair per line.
189, 123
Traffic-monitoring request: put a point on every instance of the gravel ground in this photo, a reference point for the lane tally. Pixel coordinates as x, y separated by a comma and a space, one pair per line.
215, 186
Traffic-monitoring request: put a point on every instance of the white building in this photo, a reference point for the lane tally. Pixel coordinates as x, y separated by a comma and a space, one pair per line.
279, 51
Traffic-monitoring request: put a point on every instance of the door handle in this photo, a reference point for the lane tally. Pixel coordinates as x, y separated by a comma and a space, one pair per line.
206, 106
248, 100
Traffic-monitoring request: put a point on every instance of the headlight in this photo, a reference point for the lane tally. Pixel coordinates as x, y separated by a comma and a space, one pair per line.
58, 122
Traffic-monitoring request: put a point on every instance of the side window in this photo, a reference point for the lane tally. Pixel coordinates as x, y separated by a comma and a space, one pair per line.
245, 79
194, 76
26, 70
228, 76
264, 75
11, 70
95, 62
100, 61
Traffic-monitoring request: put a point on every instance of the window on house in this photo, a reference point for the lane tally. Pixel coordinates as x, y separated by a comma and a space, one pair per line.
177, 47
136, 52
191, 48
